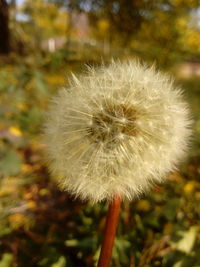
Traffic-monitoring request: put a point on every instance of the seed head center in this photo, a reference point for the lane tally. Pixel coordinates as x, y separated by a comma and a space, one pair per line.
113, 124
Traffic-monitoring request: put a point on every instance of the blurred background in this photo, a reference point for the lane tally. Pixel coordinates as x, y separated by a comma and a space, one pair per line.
41, 43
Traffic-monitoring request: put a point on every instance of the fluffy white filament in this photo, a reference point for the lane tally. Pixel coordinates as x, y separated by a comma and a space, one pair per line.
117, 130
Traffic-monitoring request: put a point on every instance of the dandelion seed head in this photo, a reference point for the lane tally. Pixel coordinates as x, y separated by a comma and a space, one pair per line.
117, 130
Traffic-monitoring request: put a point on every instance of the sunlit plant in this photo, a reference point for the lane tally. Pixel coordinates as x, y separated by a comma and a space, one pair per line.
114, 133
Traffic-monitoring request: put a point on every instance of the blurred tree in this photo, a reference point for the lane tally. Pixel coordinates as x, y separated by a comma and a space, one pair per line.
125, 17
45, 20
70, 7
155, 20
4, 28
156, 30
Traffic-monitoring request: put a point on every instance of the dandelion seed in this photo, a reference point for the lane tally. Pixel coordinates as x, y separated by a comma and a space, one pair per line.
116, 131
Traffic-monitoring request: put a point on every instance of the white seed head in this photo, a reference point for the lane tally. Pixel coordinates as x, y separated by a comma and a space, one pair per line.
117, 130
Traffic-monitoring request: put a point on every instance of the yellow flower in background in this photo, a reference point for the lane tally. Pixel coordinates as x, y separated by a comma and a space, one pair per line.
116, 131
17, 220
26, 168
15, 130
22, 106
31, 204
190, 187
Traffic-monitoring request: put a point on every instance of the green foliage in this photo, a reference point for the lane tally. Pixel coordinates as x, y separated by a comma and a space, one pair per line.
10, 163
192, 92
60, 263
6, 260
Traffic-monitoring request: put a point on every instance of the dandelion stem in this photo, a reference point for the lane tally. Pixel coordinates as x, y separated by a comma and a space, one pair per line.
110, 231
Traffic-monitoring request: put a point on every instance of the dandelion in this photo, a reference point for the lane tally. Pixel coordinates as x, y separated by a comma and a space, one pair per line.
114, 133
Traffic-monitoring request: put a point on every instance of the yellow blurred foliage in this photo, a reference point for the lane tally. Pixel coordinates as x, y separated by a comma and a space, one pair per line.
6, 191
31, 204
143, 205
103, 25
168, 227
8, 115
26, 168
31, 84
192, 38
17, 220
176, 177
197, 195
15, 130
27, 195
189, 187
44, 192
51, 23
21, 106
55, 80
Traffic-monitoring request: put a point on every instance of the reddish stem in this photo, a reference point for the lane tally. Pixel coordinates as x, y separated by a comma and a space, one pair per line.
110, 231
